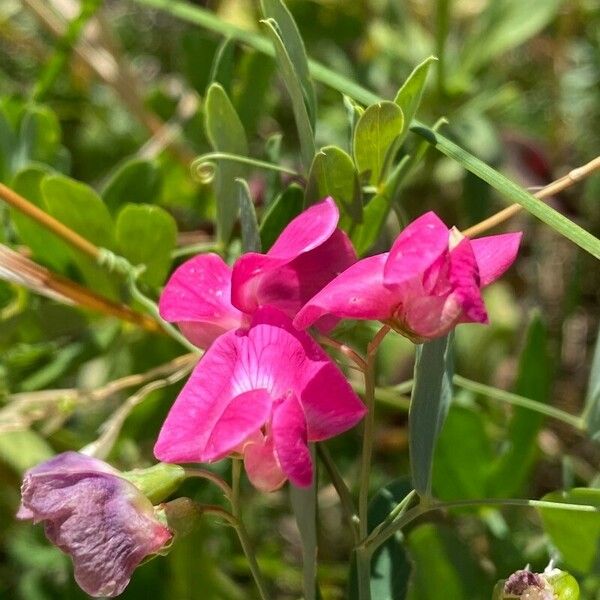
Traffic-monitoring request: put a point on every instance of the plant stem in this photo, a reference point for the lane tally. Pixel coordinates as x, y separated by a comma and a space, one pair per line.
203, 167
516, 400
342, 490
362, 556
212, 477
362, 559
200, 248
550, 190
412, 514
354, 356
236, 509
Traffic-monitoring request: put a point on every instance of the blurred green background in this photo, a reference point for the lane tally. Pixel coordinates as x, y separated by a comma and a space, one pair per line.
115, 100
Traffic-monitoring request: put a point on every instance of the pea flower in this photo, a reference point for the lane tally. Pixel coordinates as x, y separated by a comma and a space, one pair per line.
263, 393
429, 282
206, 297
92, 513
552, 584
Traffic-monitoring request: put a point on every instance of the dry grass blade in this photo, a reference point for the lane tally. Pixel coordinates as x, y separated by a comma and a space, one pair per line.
18, 269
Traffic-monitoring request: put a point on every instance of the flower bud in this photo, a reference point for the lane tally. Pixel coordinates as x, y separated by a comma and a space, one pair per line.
157, 482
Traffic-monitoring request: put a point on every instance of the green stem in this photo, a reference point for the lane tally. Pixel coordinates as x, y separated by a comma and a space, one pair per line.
342, 490
412, 514
210, 476
204, 163
152, 309
516, 400
395, 513
363, 558
199, 248
236, 509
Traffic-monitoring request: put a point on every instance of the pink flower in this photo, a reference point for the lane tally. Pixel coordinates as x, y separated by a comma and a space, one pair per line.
263, 392
429, 282
89, 511
207, 298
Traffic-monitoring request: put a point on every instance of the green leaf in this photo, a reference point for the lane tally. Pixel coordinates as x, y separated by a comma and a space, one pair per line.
136, 180
46, 247
80, 208
146, 235
375, 138
332, 173
226, 134
430, 400
409, 95
390, 566
294, 45
248, 222
576, 535
223, 62
304, 505
257, 71
376, 212
8, 142
442, 561
462, 457
503, 25
534, 378
512, 191
39, 137
21, 450
591, 412
296, 92
288, 205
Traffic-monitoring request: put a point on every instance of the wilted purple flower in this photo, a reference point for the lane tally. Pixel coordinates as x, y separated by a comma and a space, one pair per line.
527, 585
90, 512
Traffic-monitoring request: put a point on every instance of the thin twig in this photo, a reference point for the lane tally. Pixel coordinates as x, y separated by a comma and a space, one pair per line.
550, 190
25, 408
354, 356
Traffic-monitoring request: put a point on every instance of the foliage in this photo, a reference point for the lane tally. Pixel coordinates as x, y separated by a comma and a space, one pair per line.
101, 118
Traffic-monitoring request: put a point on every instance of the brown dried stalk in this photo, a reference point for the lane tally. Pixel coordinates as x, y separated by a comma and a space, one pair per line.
551, 189
16, 268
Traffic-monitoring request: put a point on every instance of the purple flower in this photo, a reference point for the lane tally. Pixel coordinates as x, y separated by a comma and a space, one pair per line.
89, 511
429, 282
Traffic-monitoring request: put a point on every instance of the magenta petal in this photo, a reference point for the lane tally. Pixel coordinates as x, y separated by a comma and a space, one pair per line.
495, 254
245, 413
307, 231
290, 440
464, 279
262, 467
358, 293
308, 254
417, 247
198, 298
188, 433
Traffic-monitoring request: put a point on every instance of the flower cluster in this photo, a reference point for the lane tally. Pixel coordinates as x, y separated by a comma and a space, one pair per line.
264, 388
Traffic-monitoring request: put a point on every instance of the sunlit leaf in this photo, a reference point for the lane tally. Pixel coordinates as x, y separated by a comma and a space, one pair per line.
146, 235
576, 535
332, 173
375, 138
226, 134
294, 87
135, 181
409, 95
